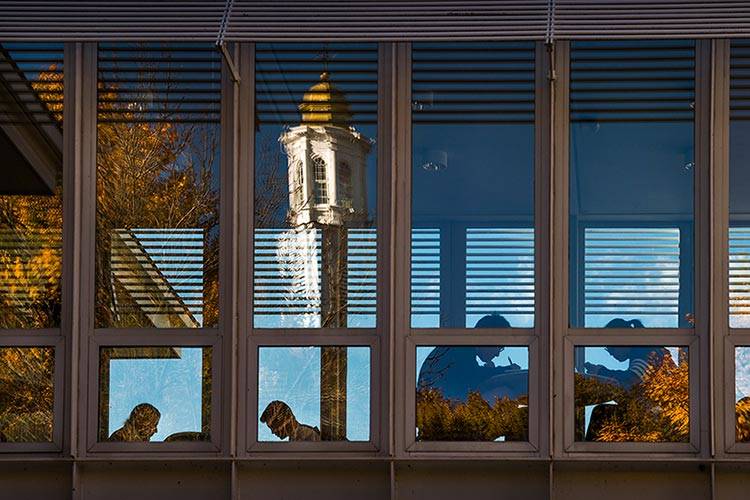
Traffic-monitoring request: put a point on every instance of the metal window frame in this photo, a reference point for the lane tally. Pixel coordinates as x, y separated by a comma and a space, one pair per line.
92, 339
76, 341
408, 338
566, 337
664, 340
252, 338
54, 341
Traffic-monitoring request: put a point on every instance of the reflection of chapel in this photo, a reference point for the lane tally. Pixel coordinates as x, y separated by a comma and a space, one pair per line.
327, 161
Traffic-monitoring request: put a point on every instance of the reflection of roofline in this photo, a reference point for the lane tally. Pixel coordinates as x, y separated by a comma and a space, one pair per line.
138, 256
39, 143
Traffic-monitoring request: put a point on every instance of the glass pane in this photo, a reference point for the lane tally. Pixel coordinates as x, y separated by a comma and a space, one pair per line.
472, 184
631, 183
26, 394
315, 253
472, 393
155, 394
157, 219
739, 186
632, 394
742, 393
314, 393
31, 102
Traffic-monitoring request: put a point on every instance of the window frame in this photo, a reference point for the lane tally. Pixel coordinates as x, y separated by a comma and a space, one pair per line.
251, 338
408, 338
567, 337
93, 338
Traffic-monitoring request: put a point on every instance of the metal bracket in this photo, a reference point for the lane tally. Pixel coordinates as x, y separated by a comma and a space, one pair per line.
221, 45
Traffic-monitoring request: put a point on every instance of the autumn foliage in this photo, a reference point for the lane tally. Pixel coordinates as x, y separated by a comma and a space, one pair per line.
439, 419
656, 410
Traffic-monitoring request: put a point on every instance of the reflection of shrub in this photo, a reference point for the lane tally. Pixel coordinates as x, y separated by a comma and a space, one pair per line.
439, 419
656, 410
26, 394
742, 424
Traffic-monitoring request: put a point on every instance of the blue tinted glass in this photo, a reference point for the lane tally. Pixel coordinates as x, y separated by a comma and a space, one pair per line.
472, 184
739, 186
315, 247
155, 394
314, 393
631, 183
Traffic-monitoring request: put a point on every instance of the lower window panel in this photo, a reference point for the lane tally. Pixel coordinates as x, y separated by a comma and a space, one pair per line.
155, 394
26, 394
472, 393
627, 393
314, 393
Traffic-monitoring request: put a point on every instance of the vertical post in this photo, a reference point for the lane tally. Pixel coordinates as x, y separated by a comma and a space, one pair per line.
333, 309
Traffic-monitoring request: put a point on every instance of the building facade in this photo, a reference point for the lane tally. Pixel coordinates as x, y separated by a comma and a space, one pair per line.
375, 249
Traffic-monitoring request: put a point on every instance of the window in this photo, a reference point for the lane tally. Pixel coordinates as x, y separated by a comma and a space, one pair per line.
32, 324
631, 244
157, 186
316, 258
320, 181
158, 178
473, 239
310, 403
156, 394
632, 393
631, 183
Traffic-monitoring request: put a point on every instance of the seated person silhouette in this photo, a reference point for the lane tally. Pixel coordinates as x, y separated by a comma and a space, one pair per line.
282, 422
140, 425
638, 358
454, 370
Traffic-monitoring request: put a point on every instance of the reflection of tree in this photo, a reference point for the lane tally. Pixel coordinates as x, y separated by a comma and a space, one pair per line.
656, 410
26, 394
742, 422
153, 175
439, 419
30, 241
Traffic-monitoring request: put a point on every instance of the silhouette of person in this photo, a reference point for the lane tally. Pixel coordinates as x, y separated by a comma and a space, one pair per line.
140, 425
454, 371
282, 422
639, 358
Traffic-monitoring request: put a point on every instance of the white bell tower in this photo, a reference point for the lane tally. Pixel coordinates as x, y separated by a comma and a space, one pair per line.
327, 162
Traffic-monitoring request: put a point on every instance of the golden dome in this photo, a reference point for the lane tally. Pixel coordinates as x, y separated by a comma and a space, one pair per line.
324, 104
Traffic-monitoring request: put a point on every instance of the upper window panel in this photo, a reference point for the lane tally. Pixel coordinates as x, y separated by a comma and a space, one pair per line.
472, 250
739, 186
31, 104
631, 184
157, 218
315, 248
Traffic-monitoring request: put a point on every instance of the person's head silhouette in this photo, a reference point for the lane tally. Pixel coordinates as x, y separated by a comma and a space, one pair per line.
492, 321
488, 353
279, 418
143, 421
622, 353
